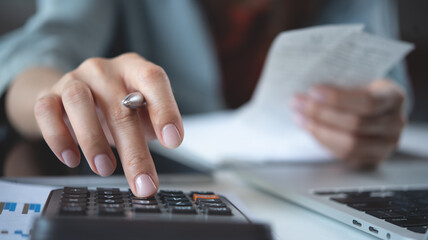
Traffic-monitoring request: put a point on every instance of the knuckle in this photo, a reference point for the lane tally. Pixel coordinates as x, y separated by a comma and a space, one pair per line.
123, 117
57, 138
131, 56
93, 65
136, 159
162, 114
70, 76
90, 139
44, 105
76, 91
153, 73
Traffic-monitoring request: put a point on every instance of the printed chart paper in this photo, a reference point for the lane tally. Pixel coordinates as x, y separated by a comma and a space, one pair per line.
19, 205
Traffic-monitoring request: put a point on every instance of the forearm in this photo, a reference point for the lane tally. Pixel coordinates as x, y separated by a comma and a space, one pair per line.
22, 95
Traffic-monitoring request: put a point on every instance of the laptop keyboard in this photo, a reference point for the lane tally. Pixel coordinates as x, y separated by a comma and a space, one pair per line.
404, 208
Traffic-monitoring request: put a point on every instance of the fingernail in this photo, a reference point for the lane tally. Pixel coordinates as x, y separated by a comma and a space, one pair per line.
145, 186
70, 158
318, 95
104, 165
171, 136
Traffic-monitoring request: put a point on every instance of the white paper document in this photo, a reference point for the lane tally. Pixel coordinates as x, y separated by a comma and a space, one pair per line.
263, 130
19, 205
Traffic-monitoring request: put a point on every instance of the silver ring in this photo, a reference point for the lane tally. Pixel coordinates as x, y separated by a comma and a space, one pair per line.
134, 100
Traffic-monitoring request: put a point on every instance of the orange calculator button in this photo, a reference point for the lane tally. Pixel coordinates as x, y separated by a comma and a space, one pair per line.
202, 196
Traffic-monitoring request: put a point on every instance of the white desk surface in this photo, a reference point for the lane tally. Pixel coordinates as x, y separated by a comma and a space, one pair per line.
288, 220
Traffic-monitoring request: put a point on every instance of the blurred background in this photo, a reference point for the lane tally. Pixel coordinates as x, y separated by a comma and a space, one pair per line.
413, 20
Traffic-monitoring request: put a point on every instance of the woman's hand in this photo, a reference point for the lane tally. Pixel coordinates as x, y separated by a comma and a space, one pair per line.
84, 108
360, 125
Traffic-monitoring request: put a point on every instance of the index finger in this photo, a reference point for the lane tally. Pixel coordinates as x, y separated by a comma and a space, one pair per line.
128, 134
152, 81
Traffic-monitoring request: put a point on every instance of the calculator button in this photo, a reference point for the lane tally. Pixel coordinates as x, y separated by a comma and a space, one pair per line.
83, 205
212, 205
114, 205
200, 193
143, 198
72, 209
171, 195
183, 203
108, 191
74, 200
110, 201
146, 208
161, 192
183, 209
201, 196
201, 200
109, 196
175, 199
144, 202
75, 190
72, 195
219, 211
109, 211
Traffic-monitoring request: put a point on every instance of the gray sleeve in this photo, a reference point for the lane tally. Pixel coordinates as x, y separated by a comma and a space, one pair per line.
381, 18
61, 35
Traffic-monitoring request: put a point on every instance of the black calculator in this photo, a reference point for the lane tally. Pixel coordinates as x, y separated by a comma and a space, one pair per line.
110, 213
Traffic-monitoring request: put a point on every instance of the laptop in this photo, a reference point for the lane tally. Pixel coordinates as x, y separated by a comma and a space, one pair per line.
390, 202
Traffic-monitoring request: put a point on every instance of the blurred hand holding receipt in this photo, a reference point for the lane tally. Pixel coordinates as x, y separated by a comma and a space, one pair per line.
263, 130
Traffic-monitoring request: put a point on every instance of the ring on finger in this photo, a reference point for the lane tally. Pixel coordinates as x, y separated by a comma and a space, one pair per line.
134, 100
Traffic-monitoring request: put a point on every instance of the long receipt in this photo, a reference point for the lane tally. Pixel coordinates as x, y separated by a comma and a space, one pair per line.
263, 130
341, 55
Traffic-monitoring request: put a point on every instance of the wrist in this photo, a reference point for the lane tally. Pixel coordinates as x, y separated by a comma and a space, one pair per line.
21, 96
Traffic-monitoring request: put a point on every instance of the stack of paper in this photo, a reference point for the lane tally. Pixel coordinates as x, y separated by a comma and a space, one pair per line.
262, 130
